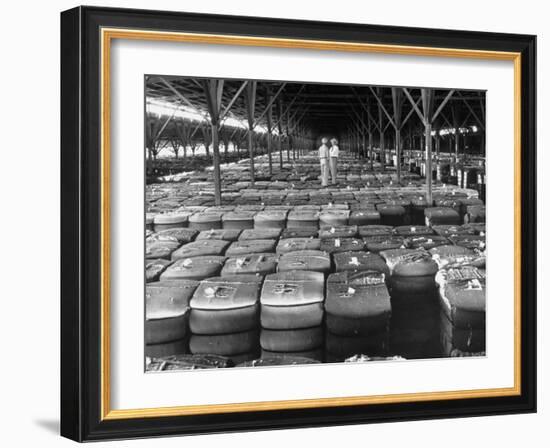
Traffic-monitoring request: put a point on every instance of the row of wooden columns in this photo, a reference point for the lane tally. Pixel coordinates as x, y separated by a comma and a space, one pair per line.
289, 126
363, 124
413, 140
295, 133
369, 116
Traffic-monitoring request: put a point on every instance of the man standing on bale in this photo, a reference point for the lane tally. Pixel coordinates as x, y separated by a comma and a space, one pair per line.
323, 160
333, 157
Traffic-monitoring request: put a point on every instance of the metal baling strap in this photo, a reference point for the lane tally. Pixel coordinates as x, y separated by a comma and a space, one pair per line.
458, 260
413, 257
228, 286
367, 278
476, 284
464, 273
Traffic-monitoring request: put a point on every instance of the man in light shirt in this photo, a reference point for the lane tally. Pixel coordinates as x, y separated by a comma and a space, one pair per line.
333, 159
323, 160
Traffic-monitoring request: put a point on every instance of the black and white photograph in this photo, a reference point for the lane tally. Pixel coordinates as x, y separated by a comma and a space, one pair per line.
291, 223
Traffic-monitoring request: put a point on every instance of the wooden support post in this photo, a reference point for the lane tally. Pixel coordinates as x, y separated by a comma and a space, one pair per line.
250, 107
427, 117
397, 101
456, 125
482, 131
175, 147
427, 96
369, 127
268, 116
206, 137
288, 144
280, 149
280, 129
217, 172
398, 153
251, 155
287, 133
382, 150
370, 151
428, 134
213, 90
364, 147
225, 149
381, 129
182, 129
149, 147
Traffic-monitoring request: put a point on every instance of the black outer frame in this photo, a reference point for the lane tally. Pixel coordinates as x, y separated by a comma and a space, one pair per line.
80, 223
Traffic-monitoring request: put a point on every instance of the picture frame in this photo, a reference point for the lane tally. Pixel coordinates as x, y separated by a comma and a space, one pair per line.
86, 37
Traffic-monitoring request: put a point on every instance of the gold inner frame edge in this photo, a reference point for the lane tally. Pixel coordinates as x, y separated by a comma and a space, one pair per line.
107, 34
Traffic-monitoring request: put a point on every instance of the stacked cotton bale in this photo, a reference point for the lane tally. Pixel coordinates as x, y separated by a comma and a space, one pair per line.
224, 317
346, 272
166, 318
292, 311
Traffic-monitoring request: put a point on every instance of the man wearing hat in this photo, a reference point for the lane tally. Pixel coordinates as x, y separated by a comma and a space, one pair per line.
323, 160
333, 159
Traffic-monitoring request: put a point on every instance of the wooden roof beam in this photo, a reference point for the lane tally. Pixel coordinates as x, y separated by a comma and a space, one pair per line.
472, 111
228, 107
382, 107
269, 104
366, 108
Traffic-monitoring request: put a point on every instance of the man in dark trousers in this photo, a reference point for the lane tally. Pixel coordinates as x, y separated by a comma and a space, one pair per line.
333, 159
323, 160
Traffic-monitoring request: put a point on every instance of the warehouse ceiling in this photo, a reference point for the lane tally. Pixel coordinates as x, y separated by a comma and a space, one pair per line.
312, 109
